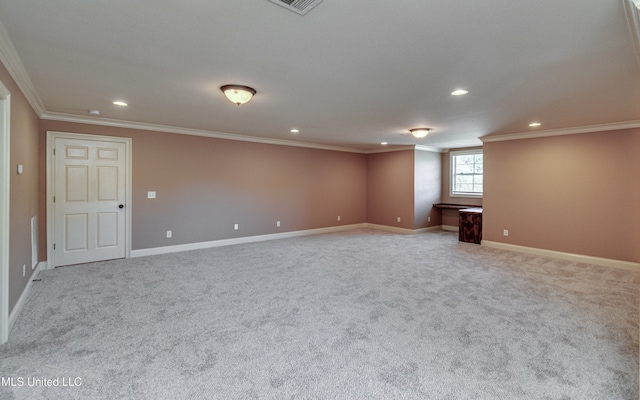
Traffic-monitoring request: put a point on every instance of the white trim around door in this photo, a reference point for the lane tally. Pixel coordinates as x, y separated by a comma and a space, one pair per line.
51, 227
5, 177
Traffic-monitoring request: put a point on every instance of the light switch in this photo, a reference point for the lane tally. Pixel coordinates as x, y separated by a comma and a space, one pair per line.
151, 195
20, 169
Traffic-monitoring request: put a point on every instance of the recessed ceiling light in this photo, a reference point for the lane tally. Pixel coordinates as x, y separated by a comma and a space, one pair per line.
295, 131
534, 124
459, 92
120, 103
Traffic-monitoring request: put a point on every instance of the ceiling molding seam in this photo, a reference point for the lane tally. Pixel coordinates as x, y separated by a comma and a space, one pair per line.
561, 132
430, 148
53, 116
632, 10
391, 149
12, 62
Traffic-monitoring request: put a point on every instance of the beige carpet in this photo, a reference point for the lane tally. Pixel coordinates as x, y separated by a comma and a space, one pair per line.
356, 315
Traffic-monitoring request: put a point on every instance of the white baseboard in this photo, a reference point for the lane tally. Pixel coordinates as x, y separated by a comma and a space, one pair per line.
450, 228
274, 236
435, 228
242, 240
403, 230
604, 262
13, 316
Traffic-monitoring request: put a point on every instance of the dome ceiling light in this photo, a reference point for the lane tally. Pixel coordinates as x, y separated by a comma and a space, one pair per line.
238, 94
420, 132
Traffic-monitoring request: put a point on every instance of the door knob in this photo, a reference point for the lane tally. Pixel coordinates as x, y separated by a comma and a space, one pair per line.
121, 206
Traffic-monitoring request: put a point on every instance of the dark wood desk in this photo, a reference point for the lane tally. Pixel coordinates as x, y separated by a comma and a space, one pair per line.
470, 227
448, 206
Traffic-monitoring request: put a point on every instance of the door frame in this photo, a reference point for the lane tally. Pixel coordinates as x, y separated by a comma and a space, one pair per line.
5, 185
51, 136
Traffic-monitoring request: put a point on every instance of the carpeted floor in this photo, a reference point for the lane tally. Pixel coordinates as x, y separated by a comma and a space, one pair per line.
361, 314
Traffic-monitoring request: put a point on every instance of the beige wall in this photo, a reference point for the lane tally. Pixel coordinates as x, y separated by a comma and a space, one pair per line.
404, 184
390, 189
576, 193
24, 189
450, 217
204, 186
577, 199
427, 188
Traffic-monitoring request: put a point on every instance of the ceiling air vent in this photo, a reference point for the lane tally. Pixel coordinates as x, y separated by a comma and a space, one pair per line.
297, 6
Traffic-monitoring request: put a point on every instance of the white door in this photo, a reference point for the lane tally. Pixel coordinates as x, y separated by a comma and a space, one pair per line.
89, 200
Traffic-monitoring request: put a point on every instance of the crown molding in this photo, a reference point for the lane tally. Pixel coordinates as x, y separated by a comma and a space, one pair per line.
390, 149
80, 119
561, 132
11, 60
53, 116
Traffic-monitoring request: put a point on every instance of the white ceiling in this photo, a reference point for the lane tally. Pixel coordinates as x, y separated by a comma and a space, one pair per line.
349, 73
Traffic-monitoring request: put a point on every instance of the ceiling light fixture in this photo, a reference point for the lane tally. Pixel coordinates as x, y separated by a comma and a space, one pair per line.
295, 131
420, 132
459, 92
120, 103
384, 143
238, 94
534, 124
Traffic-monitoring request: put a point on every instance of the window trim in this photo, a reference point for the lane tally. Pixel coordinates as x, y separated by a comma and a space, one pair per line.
452, 177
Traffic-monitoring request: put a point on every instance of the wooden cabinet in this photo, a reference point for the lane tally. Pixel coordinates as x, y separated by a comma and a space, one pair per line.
470, 227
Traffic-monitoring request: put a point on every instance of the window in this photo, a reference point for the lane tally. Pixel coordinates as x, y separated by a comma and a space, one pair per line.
466, 173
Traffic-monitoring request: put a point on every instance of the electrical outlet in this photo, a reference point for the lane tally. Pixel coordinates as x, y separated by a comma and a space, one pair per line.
505, 232
235, 227
428, 219
24, 270
169, 234
398, 219
278, 224
338, 218
151, 195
